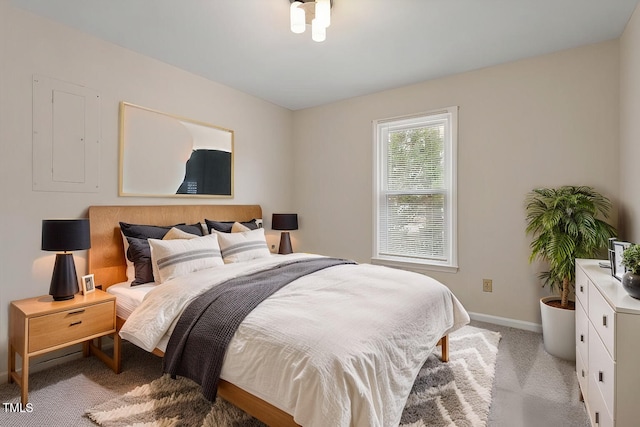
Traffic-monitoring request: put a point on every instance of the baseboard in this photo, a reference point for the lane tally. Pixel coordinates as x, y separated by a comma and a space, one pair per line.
505, 321
55, 358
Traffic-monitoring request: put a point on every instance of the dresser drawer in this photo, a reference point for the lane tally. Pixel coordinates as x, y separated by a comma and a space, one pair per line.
582, 333
603, 319
582, 287
67, 326
582, 371
597, 411
601, 372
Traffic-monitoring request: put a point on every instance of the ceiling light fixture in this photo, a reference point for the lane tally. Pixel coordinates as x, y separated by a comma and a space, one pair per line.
314, 12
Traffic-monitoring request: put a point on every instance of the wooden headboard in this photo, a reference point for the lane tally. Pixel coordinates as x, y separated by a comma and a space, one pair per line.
106, 259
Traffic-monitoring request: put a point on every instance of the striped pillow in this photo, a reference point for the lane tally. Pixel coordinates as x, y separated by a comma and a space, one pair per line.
173, 234
175, 258
244, 246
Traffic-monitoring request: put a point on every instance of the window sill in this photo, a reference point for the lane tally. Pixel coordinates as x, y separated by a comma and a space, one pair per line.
415, 266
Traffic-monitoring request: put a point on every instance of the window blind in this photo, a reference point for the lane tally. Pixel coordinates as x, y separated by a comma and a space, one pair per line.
414, 188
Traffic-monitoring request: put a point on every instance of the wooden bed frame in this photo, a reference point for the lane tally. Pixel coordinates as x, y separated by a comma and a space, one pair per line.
107, 263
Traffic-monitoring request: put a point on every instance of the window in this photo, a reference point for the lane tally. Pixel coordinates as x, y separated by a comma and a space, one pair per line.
415, 190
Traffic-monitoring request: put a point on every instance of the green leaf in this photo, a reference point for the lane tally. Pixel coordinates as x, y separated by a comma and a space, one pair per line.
564, 225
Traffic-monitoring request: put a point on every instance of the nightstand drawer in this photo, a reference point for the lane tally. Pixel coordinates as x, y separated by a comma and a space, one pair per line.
71, 325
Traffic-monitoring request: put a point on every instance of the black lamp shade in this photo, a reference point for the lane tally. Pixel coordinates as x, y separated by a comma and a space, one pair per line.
64, 235
284, 222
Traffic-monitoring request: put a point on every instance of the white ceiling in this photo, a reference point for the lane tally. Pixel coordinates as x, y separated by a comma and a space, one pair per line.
371, 45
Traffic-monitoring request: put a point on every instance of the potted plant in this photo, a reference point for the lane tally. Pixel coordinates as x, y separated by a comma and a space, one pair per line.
631, 279
565, 224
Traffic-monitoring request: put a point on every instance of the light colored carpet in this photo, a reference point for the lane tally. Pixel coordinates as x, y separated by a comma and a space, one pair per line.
533, 388
61, 394
457, 393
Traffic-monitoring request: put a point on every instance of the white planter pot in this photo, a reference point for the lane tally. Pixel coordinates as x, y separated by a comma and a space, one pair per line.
558, 330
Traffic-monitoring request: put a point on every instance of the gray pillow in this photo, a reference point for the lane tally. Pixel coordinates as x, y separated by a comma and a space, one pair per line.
139, 253
141, 231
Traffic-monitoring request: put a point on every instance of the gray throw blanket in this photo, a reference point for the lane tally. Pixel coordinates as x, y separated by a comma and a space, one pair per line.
199, 341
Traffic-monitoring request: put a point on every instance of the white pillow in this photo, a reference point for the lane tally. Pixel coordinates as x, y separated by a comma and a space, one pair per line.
173, 234
175, 258
244, 246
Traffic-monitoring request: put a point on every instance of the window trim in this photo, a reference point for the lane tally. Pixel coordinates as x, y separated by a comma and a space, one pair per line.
452, 203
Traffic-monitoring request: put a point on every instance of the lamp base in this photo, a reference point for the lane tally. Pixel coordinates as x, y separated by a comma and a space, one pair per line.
285, 244
64, 281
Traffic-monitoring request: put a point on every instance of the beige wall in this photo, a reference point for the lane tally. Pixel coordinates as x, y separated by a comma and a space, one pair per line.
31, 45
545, 121
630, 130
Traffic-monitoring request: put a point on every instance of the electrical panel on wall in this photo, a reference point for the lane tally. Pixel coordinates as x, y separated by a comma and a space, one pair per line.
66, 136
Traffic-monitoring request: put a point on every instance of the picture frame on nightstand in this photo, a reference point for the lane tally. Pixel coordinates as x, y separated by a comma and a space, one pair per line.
87, 284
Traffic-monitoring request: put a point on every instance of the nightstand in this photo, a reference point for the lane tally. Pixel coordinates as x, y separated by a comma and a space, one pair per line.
41, 325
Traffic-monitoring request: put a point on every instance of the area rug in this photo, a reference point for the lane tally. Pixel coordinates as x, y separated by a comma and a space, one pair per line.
451, 394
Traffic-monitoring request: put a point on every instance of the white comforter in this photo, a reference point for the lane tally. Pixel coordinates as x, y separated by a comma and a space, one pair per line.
340, 347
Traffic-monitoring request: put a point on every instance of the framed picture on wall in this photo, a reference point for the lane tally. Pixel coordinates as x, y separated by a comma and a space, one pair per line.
617, 269
162, 154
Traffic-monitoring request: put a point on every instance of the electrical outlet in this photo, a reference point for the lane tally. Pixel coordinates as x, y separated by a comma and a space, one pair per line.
487, 285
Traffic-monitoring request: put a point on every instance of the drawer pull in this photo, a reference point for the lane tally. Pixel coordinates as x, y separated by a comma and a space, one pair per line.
582, 373
600, 376
597, 417
581, 288
77, 311
76, 323
581, 338
604, 320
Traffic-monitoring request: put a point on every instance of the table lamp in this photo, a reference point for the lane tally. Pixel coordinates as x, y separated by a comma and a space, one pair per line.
284, 222
64, 235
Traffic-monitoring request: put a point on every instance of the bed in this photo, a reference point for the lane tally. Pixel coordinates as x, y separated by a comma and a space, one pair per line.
107, 263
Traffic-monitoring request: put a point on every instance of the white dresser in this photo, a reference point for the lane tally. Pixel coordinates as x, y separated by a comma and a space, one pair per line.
607, 347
